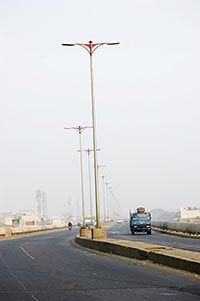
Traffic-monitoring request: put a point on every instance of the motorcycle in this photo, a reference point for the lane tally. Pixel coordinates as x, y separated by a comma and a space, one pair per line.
69, 227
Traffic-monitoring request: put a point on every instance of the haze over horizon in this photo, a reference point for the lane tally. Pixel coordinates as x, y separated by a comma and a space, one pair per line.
146, 94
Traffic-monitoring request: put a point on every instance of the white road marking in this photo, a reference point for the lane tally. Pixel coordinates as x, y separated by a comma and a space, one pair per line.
89, 254
13, 274
29, 255
34, 298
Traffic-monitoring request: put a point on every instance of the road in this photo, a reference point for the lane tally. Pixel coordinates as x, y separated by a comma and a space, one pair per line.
50, 267
121, 231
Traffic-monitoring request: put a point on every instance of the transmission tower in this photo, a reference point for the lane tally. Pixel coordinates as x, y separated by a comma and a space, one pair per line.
38, 200
44, 206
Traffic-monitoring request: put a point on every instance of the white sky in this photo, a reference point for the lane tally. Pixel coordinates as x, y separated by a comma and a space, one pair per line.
146, 93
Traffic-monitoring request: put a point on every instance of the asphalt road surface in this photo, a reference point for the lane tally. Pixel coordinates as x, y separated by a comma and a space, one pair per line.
50, 267
122, 231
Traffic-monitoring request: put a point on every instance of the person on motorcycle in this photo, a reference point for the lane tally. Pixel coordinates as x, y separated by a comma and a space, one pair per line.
69, 225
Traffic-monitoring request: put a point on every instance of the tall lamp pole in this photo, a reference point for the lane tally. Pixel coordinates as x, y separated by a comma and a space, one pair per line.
99, 166
89, 173
90, 189
104, 202
108, 200
90, 47
80, 129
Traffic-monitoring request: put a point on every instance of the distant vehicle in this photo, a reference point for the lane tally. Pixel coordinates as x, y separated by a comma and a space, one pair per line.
140, 221
89, 221
119, 221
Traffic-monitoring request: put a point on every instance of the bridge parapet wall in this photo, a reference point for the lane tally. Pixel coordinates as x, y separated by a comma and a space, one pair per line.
176, 226
14, 231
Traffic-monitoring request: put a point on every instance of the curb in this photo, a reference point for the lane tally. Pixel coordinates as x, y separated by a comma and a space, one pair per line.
176, 258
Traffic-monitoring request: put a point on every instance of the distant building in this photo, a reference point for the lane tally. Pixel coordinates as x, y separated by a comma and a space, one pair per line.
6, 218
56, 221
189, 213
22, 218
25, 218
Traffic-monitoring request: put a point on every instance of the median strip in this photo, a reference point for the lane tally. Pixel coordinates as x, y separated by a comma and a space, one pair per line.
176, 258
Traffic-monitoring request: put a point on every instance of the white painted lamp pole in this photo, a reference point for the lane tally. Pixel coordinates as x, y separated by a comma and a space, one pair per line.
90, 47
80, 129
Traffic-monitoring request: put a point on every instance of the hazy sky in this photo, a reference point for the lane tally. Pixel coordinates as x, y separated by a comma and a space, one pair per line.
147, 96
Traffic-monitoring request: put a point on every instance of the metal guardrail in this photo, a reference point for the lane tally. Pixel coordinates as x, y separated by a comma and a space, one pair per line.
176, 226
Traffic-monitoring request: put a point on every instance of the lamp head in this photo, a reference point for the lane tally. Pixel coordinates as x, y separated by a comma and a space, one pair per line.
68, 44
113, 43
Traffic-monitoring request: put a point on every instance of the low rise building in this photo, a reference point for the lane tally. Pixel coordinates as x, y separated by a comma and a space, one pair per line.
189, 213
56, 221
21, 218
6, 218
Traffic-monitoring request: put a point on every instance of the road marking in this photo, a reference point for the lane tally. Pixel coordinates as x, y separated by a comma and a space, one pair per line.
89, 254
29, 255
12, 273
168, 294
34, 298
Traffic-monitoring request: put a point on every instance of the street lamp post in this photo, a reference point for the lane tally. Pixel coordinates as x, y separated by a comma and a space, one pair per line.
104, 202
108, 200
90, 48
80, 129
90, 188
99, 166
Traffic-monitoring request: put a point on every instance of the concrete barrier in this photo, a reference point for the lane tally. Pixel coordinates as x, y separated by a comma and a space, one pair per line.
9, 231
2, 231
179, 227
176, 258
